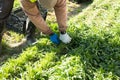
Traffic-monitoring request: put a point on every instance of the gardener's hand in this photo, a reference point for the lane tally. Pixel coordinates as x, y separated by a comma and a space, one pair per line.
65, 38
54, 38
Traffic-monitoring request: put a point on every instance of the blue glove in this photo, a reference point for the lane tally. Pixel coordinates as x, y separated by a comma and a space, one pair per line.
54, 38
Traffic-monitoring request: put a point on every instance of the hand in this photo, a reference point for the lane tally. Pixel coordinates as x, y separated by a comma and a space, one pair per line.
65, 38
54, 38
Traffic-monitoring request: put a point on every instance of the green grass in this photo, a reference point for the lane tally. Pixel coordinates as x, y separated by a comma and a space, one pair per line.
16, 4
93, 54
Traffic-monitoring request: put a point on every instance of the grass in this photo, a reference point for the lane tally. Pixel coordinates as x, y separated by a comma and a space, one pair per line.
93, 54
16, 4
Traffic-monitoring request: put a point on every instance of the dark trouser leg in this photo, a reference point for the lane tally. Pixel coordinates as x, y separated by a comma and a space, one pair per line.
1, 33
1, 30
5, 9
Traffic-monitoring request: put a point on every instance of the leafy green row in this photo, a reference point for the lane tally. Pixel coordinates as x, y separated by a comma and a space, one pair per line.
93, 54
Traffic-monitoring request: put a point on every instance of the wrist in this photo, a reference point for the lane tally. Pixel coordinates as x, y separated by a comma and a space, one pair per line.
63, 32
51, 34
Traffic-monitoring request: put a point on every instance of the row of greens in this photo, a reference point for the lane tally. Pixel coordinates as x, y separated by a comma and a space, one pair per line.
93, 54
